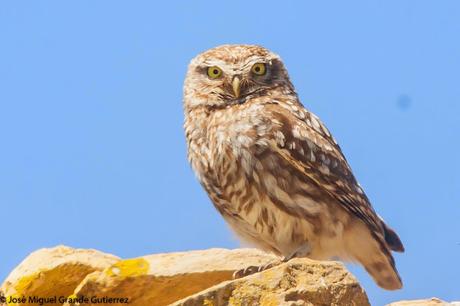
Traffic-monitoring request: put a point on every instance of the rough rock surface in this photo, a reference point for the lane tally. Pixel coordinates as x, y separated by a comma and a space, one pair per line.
298, 282
54, 271
187, 278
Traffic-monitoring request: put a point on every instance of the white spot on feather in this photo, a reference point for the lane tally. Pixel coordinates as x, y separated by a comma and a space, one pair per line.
301, 151
280, 139
312, 156
315, 124
324, 169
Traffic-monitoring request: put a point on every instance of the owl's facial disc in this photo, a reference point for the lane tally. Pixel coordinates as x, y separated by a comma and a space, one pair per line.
233, 74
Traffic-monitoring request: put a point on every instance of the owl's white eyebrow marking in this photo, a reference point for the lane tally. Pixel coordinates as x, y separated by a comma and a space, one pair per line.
259, 59
215, 62
238, 65
211, 64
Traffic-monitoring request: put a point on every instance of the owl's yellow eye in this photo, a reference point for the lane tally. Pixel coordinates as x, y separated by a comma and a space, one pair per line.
259, 69
214, 72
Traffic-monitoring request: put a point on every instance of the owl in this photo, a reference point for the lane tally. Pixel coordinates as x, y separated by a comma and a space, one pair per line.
273, 170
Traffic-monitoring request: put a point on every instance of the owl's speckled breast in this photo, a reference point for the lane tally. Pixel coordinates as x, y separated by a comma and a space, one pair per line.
252, 181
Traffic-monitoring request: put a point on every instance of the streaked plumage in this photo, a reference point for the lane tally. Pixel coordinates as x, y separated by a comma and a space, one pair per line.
273, 170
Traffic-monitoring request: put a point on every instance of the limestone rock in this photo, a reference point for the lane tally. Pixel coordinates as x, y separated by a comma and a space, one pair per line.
298, 282
161, 279
427, 302
54, 271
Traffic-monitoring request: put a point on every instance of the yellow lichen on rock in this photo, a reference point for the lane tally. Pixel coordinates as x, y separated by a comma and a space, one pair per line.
129, 267
162, 279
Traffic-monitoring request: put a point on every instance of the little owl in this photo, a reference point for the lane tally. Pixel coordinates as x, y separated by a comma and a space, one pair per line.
273, 170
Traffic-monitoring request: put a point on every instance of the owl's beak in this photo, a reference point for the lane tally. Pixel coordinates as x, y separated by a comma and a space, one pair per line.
236, 85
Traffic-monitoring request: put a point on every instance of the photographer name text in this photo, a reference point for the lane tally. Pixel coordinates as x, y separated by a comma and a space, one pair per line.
42, 300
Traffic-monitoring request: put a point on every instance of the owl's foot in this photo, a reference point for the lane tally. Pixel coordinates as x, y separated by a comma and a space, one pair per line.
254, 269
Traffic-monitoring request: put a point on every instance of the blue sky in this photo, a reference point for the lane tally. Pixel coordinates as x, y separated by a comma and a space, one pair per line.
93, 152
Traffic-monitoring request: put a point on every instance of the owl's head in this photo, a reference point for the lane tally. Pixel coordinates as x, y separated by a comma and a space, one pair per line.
231, 74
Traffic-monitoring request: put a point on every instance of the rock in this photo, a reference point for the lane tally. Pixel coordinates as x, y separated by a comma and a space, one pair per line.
161, 279
428, 302
54, 271
182, 279
298, 282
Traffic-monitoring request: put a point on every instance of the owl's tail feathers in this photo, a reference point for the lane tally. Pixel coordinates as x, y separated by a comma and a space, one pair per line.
392, 239
371, 251
382, 268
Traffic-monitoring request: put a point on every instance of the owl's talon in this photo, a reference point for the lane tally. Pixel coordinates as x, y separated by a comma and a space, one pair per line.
245, 272
269, 265
254, 269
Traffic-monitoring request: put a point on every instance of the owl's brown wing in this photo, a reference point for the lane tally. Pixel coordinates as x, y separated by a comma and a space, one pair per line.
309, 148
